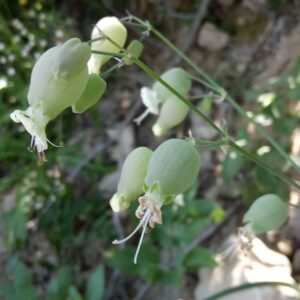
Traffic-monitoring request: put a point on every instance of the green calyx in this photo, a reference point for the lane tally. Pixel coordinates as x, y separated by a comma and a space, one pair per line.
172, 113
72, 58
94, 90
176, 78
132, 178
174, 166
268, 212
59, 77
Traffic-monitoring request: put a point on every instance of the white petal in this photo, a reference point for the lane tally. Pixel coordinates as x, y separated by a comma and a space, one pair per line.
150, 100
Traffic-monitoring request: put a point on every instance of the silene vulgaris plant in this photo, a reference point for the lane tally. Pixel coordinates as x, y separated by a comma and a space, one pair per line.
157, 178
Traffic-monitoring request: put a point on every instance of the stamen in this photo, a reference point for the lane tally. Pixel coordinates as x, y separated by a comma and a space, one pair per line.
42, 158
32, 144
61, 144
142, 237
143, 220
139, 119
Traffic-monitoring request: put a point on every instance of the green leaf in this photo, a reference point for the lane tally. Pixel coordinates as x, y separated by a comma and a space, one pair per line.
20, 287
74, 294
15, 226
58, 287
232, 165
199, 257
95, 287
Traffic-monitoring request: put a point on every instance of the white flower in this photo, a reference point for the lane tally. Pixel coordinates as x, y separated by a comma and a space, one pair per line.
3, 60
11, 57
150, 100
59, 33
11, 71
34, 121
17, 24
43, 43
2, 46
16, 39
3, 83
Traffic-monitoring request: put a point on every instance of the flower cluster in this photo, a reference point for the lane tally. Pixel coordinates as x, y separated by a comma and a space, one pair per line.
157, 177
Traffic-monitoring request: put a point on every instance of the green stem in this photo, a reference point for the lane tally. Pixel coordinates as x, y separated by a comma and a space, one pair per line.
250, 286
108, 53
207, 143
213, 85
230, 142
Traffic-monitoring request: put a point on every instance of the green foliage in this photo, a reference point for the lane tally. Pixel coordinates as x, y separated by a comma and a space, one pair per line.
95, 286
58, 287
74, 214
199, 257
20, 285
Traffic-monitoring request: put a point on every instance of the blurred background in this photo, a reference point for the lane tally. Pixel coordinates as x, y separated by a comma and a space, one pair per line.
56, 225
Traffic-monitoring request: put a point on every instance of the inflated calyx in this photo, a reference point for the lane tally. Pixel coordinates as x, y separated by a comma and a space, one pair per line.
58, 80
172, 169
160, 101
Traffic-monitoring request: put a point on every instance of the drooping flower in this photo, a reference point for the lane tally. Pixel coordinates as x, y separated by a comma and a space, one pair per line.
266, 213
161, 101
172, 169
132, 178
58, 79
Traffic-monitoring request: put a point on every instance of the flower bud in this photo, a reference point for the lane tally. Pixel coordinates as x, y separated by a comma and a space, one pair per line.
94, 90
135, 49
266, 213
178, 79
172, 113
115, 30
174, 166
132, 178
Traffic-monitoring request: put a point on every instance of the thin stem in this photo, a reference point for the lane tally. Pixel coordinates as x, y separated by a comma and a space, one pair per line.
111, 69
108, 53
250, 286
201, 142
294, 205
223, 134
213, 85
230, 142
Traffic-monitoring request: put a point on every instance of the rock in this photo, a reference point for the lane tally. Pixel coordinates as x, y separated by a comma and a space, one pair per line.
125, 142
255, 6
284, 58
258, 264
296, 262
109, 183
200, 128
226, 3
212, 38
